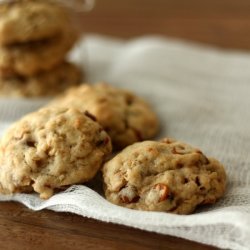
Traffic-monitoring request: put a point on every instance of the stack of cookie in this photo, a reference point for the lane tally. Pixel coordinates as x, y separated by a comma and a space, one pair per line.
35, 37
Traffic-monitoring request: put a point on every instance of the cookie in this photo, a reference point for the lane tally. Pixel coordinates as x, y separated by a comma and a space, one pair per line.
51, 149
49, 83
126, 117
25, 21
32, 57
168, 176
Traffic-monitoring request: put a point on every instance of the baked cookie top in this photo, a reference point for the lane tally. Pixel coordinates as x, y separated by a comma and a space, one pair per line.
26, 21
168, 176
32, 57
48, 83
126, 117
50, 149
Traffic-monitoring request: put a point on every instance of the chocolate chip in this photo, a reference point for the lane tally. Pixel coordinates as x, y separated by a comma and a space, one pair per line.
197, 181
92, 117
102, 142
206, 160
179, 165
171, 196
39, 163
138, 135
135, 199
129, 100
30, 144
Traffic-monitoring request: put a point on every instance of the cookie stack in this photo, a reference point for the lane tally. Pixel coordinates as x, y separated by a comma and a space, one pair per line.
35, 37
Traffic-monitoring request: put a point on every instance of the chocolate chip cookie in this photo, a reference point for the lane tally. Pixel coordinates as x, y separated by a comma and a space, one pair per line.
51, 149
168, 176
126, 117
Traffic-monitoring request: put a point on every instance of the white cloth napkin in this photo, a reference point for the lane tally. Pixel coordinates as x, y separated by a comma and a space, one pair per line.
202, 96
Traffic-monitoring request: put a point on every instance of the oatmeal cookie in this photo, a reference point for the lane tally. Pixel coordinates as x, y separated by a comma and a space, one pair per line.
32, 57
26, 21
126, 117
48, 83
51, 149
168, 176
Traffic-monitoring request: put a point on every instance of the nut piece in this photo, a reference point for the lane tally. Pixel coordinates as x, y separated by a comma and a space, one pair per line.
179, 149
163, 191
157, 193
129, 194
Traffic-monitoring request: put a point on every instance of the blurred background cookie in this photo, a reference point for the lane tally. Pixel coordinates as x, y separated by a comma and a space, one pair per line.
26, 21
35, 37
47, 83
32, 57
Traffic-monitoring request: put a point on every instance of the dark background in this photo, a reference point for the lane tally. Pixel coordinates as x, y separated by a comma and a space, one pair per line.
224, 23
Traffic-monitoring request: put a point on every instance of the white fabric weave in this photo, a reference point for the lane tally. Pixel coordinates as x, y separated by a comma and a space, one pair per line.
202, 96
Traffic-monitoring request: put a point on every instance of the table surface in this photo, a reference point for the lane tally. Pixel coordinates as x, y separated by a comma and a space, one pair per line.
223, 23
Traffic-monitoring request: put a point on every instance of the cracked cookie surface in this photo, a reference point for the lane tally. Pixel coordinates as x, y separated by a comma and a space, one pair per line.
22, 21
49, 83
126, 117
168, 176
51, 149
